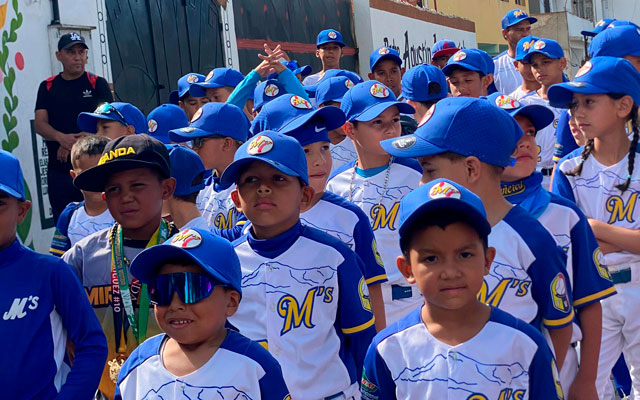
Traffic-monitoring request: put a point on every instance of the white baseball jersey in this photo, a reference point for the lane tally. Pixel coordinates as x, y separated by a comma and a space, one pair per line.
519, 93
346, 222
506, 77
545, 138
343, 153
82, 224
595, 192
378, 193
507, 359
304, 297
312, 79
240, 370
216, 206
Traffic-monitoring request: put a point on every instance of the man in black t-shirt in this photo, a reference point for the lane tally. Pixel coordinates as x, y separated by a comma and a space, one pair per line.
60, 99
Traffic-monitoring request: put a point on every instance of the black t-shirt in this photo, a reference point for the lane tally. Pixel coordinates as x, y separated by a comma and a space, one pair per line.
64, 100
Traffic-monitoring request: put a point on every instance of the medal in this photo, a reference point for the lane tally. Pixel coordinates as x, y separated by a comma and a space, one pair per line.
115, 366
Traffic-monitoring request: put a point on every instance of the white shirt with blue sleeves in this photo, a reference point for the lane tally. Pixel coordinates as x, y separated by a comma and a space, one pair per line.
506, 77
216, 206
507, 359
239, 369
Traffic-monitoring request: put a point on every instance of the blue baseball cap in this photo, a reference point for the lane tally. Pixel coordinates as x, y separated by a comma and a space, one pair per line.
600, 75
211, 119
384, 53
187, 169
515, 17
547, 47
599, 27
333, 89
472, 60
461, 125
283, 153
539, 115
213, 254
415, 83
444, 48
523, 46
164, 118
125, 113
219, 77
616, 42
291, 111
293, 66
332, 73
184, 83
11, 179
617, 23
367, 100
329, 36
442, 196
267, 91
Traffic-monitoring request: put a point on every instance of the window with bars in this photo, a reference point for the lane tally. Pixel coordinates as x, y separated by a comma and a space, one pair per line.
521, 2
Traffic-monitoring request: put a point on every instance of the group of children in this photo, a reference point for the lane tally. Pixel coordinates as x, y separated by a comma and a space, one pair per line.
283, 239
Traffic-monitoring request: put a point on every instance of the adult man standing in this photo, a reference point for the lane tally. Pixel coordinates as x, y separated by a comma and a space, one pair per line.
60, 99
329, 50
516, 24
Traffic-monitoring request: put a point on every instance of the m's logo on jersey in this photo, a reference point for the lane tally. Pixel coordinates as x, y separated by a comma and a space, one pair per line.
559, 295
17, 309
271, 90
363, 291
603, 271
505, 394
619, 211
379, 91
152, 125
494, 298
382, 219
260, 145
295, 315
513, 189
222, 221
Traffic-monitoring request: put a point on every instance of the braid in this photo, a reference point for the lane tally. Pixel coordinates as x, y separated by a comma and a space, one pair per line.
588, 148
632, 149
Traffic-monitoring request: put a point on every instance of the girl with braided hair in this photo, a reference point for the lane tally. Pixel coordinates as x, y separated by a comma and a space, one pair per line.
602, 180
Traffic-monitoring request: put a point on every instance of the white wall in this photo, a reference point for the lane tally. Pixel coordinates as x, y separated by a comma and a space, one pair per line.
622, 9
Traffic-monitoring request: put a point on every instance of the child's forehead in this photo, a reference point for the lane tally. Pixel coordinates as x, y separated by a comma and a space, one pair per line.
426, 237
136, 174
539, 57
108, 122
464, 73
385, 65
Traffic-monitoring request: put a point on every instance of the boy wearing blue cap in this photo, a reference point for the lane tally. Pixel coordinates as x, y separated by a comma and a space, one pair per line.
81, 219
183, 98
194, 283
528, 276
469, 73
442, 51
386, 67
622, 41
422, 87
164, 118
521, 185
113, 120
516, 24
304, 295
329, 50
529, 82
135, 175
215, 133
454, 346
43, 307
218, 85
376, 182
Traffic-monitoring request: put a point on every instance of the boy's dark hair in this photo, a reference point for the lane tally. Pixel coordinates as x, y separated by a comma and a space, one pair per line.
91, 145
189, 198
456, 68
451, 156
441, 219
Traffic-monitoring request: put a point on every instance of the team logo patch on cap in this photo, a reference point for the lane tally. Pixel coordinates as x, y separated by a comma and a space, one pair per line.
209, 76
600, 23
349, 84
271, 90
332, 35
507, 103
187, 239
192, 78
584, 69
444, 190
152, 125
403, 143
260, 145
299, 102
383, 50
427, 115
197, 115
527, 45
74, 36
188, 129
539, 45
461, 55
519, 13
379, 91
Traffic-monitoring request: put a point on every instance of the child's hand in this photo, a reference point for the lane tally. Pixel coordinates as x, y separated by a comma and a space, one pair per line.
264, 68
582, 389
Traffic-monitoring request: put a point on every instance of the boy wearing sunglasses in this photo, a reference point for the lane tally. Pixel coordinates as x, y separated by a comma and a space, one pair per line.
193, 282
113, 120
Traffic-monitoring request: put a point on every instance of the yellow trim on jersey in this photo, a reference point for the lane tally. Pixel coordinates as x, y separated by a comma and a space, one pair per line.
264, 344
240, 223
52, 250
556, 159
595, 296
558, 322
375, 279
359, 328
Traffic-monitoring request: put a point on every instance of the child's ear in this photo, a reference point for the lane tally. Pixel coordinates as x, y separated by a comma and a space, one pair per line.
233, 301
131, 130
371, 76
307, 197
563, 63
405, 269
73, 174
624, 106
168, 187
487, 80
473, 167
489, 255
23, 208
235, 197
347, 128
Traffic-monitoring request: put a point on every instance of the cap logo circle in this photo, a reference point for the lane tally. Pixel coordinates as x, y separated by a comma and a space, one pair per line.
427, 115
299, 102
187, 239
197, 115
192, 78
507, 103
271, 90
404, 142
519, 13
444, 190
349, 84
584, 69
209, 76
461, 55
332, 35
152, 125
260, 145
600, 23
379, 91
539, 45
383, 50
74, 36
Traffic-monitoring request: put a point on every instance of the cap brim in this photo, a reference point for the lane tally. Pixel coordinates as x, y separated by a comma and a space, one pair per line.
370, 113
527, 57
530, 19
11, 192
331, 117
304, 70
561, 94
393, 57
540, 115
178, 136
339, 43
588, 33
445, 52
75, 43
88, 122
200, 89
174, 98
95, 178
447, 205
420, 148
232, 173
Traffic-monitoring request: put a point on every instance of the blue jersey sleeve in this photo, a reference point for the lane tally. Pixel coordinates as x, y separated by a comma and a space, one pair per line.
376, 383
292, 84
565, 143
272, 385
561, 185
243, 91
366, 248
544, 381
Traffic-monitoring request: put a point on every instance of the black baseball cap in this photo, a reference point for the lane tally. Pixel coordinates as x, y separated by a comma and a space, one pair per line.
69, 39
122, 154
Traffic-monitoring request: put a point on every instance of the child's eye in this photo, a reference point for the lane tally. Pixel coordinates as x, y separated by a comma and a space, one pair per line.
112, 189
430, 259
325, 147
466, 254
530, 132
249, 179
396, 120
279, 178
306, 151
